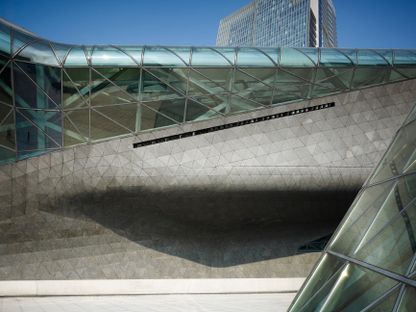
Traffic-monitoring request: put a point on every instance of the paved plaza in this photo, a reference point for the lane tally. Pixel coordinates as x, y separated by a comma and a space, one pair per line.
152, 303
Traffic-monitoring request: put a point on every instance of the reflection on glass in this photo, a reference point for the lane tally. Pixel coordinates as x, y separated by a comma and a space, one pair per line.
38, 52
292, 57
109, 56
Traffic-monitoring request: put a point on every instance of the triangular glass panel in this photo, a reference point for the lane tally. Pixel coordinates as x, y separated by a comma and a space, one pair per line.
334, 58
173, 109
386, 54
216, 102
6, 92
110, 56
124, 115
150, 119
245, 82
404, 57
370, 58
228, 53
312, 53
6, 155
360, 216
273, 53
38, 52
114, 86
175, 77
71, 135
203, 81
253, 57
350, 54
38, 130
408, 72
196, 111
391, 247
386, 304
4, 111
395, 76
20, 39
3, 61
208, 57
239, 104
159, 56
213, 77
182, 52
288, 92
323, 90
291, 57
76, 57
267, 76
334, 78
7, 131
75, 87
400, 156
61, 51
134, 52
4, 40
365, 77
408, 303
80, 118
37, 86
153, 89
295, 75
103, 128
323, 277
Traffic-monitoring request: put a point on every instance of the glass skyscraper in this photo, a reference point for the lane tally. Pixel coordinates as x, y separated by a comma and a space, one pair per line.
294, 23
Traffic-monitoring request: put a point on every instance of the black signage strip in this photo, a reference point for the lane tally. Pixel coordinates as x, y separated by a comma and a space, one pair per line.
234, 124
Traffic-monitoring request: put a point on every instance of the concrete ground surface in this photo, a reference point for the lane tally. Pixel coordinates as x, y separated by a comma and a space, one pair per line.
151, 303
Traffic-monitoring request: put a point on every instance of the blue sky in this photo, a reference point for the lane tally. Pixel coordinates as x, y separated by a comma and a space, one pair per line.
361, 23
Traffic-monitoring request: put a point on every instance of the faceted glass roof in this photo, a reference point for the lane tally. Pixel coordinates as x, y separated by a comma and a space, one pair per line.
54, 95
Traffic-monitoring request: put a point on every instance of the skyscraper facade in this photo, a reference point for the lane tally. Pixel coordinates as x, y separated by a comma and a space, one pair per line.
294, 23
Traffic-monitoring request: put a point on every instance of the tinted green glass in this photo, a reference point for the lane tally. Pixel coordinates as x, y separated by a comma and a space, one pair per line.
153, 89
21, 39
324, 276
37, 86
400, 155
404, 57
4, 40
196, 111
154, 56
252, 57
177, 78
292, 57
75, 87
386, 304
210, 80
173, 109
61, 51
6, 85
109, 56
273, 53
217, 102
38, 52
72, 135
114, 86
134, 52
208, 57
150, 119
80, 120
239, 104
124, 115
371, 58
366, 77
7, 127
76, 57
102, 127
334, 58
408, 302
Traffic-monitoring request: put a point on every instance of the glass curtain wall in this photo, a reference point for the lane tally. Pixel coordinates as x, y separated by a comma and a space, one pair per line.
370, 262
54, 96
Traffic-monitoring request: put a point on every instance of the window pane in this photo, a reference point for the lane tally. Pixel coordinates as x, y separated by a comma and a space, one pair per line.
7, 127
324, 275
4, 40
404, 57
208, 57
173, 108
76, 87
368, 57
209, 80
124, 115
151, 119
6, 86
102, 128
154, 56
76, 57
400, 155
239, 104
109, 56
134, 52
252, 57
114, 86
365, 77
273, 53
153, 89
175, 77
196, 111
38, 52
408, 303
333, 58
37, 86
80, 119
292, 57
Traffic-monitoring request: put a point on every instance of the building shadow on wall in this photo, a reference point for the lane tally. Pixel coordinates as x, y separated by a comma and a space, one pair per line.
214, 228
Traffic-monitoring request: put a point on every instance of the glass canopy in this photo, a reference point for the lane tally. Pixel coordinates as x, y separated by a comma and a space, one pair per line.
54, 96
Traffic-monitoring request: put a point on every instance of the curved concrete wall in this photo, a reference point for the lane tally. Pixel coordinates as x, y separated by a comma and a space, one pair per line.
233, 203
